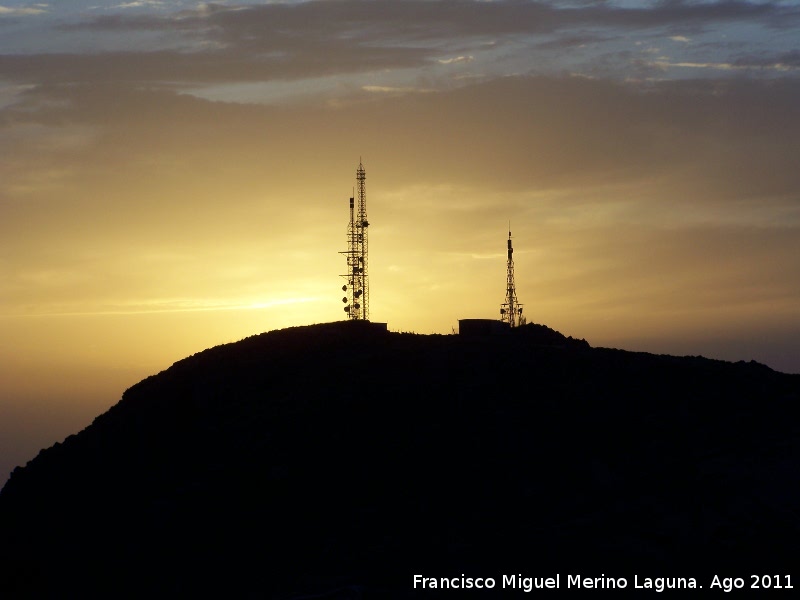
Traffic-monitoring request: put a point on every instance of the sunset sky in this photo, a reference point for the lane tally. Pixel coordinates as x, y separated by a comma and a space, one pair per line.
175, 175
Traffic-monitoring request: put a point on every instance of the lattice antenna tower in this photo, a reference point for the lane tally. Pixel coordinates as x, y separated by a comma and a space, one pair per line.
511, 309
356, 289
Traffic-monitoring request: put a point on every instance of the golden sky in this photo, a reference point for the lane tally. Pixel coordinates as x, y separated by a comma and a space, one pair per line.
176, 175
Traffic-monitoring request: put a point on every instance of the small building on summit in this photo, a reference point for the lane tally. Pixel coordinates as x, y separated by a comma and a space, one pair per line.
478, 327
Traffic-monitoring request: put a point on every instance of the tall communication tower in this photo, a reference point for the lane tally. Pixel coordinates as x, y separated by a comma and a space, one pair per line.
511, 309
356, 289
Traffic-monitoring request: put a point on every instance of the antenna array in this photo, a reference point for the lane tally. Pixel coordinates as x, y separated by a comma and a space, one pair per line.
356, 289
511, 309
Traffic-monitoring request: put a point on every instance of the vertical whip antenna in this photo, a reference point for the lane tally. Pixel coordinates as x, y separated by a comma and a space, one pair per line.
356, 289
511, 309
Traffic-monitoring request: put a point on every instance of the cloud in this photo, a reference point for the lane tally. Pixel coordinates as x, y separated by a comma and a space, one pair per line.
23, 11
139, 4
784, 61
292, 41
738, 66
553, 130
455, 60
421, 19
571, 40
383, 89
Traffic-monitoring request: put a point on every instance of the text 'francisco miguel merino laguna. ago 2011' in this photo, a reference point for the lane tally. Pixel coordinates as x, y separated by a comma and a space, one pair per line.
658, 584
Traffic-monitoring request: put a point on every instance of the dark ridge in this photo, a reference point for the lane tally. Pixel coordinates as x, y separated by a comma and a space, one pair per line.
338, 460
543, 335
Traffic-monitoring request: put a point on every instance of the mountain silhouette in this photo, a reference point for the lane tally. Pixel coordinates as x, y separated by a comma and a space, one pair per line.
339, 460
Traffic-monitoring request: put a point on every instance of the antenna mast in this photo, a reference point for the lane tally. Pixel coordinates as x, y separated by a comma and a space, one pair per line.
356, 289
511, 309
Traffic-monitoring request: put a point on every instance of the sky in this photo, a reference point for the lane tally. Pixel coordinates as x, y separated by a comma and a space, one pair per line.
175, 175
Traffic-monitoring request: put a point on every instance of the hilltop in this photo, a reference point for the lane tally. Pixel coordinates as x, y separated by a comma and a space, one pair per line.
341, 459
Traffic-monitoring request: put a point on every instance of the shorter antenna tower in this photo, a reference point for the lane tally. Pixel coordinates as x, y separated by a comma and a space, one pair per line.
511, 309
356, 289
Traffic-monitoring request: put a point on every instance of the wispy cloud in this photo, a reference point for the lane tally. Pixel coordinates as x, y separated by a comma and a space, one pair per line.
455, 60
778, 66
138, 4
384, 89
36, 9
